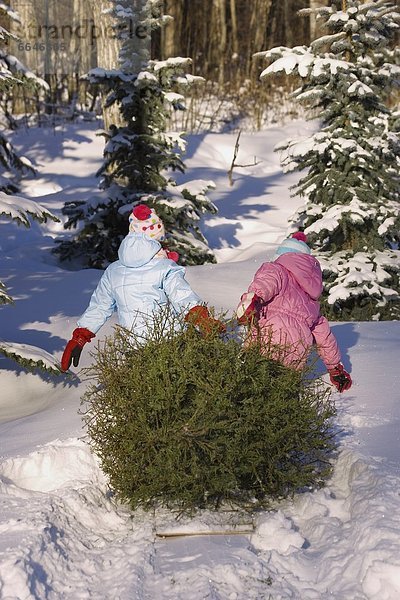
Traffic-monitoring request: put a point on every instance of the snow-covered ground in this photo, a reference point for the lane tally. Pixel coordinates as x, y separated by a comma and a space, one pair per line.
62, 536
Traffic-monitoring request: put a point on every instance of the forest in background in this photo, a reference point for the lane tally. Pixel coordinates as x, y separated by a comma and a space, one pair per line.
62, 41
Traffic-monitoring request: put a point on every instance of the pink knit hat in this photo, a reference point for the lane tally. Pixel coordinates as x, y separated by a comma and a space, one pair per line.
144, 219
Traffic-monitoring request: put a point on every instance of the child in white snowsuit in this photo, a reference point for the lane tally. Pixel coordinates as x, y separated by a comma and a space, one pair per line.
143, 280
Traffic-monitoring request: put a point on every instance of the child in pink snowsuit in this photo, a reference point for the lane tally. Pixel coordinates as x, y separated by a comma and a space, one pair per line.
281, 308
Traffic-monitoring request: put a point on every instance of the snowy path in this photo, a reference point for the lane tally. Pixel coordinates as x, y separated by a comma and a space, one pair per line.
67, 539
70, 541
62, 536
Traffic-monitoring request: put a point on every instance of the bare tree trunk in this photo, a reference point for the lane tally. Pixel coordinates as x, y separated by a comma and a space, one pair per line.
218, 37
82, 47
107, 47
171, 34
234, 25
285, 27
257, 33
315, 30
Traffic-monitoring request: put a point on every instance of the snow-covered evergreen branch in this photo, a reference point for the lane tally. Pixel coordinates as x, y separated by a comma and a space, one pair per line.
351, 164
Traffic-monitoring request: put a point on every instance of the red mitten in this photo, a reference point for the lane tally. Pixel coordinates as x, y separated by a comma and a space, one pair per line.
200, 317
340, 378
73, 349
172, 255
247, 309
299, 235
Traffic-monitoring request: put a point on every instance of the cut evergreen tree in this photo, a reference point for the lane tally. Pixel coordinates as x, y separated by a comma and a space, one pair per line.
139, 151
351, 186
185, 421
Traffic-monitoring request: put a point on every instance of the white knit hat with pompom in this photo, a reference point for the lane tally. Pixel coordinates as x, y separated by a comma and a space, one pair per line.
144, 219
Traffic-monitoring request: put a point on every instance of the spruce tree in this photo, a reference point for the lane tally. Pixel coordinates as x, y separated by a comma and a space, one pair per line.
12, 166
139, 151
18, 209
22, 211
191, 421
12, 73
351, 185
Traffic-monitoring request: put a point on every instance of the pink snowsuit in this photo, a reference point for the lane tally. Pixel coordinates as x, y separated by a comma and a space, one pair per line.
289, 316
